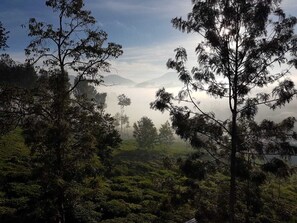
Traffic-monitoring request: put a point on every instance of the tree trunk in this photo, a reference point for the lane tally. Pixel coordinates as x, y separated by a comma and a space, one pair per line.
232, 195
62, 102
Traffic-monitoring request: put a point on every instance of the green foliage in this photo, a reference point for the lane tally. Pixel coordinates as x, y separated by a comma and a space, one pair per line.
88, 91
124, 100
16, 75
70, 139
242, 40
165, 134
18, 187
16, 80
145, 133
140, 188
123, 119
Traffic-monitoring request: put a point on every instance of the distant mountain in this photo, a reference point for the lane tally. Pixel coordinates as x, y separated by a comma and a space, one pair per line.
169, 79
111, 79
114, 79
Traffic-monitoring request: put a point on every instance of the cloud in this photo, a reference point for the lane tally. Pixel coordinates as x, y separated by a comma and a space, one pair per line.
127, 27
145, 62
164, 8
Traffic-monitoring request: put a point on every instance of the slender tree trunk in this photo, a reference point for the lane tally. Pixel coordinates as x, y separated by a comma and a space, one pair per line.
247, 218
234, 85
122, 114
62, 131
232, 195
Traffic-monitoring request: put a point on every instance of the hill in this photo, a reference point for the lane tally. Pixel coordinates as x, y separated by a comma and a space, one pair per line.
114, 79
169, 79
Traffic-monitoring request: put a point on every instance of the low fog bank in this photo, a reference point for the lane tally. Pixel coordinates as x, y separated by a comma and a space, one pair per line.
142, 97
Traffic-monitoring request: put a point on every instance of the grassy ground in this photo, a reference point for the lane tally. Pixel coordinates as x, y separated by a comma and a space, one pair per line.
129, 150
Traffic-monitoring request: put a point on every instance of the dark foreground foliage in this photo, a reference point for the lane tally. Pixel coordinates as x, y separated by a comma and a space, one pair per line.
156, 185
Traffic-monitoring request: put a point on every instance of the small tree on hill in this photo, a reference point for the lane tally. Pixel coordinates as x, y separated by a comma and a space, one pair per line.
243, 40
145, 133
123, 102
165, 134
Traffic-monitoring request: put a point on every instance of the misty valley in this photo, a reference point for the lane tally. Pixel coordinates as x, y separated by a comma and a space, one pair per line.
84, 138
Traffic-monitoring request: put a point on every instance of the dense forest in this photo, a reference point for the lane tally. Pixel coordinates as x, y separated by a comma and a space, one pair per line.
63, 158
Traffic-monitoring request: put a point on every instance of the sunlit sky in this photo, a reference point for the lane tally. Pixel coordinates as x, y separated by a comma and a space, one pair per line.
142, 27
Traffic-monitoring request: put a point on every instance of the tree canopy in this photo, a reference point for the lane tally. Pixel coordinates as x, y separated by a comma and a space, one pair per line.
242, 42
145, 133
166, 134
70, 139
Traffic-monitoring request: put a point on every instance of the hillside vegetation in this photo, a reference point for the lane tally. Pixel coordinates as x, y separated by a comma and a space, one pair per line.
142, 185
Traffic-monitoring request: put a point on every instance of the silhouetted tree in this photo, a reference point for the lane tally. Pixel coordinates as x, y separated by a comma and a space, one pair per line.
243, 40
3, 37
63, 132
86, 90
145, 133
123, 102
15, 80
165, 134
14, 74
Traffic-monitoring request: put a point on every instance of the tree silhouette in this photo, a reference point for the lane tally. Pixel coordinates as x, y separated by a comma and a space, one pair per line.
67, 134
87, 91
3, 37
165, 134
123, 102
243, 40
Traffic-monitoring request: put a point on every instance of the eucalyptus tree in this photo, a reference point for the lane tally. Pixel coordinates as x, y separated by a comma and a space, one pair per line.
242, 41
123, 101
66, 133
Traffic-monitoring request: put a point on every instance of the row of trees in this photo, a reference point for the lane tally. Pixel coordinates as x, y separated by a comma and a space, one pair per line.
242, 43
147, 136
69, 134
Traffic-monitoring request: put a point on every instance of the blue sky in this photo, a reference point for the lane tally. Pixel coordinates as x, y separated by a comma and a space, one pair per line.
142, 27
144, 30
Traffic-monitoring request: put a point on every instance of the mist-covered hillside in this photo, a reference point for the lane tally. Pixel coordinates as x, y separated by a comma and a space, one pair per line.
169, 79
114, 79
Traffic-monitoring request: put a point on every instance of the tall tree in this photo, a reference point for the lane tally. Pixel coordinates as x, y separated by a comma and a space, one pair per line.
123, 102
62, 131
243, 40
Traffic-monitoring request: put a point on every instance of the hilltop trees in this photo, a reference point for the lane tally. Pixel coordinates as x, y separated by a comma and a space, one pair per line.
145, 133
243, 40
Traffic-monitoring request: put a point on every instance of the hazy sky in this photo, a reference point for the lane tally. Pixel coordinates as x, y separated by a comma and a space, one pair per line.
142, 27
